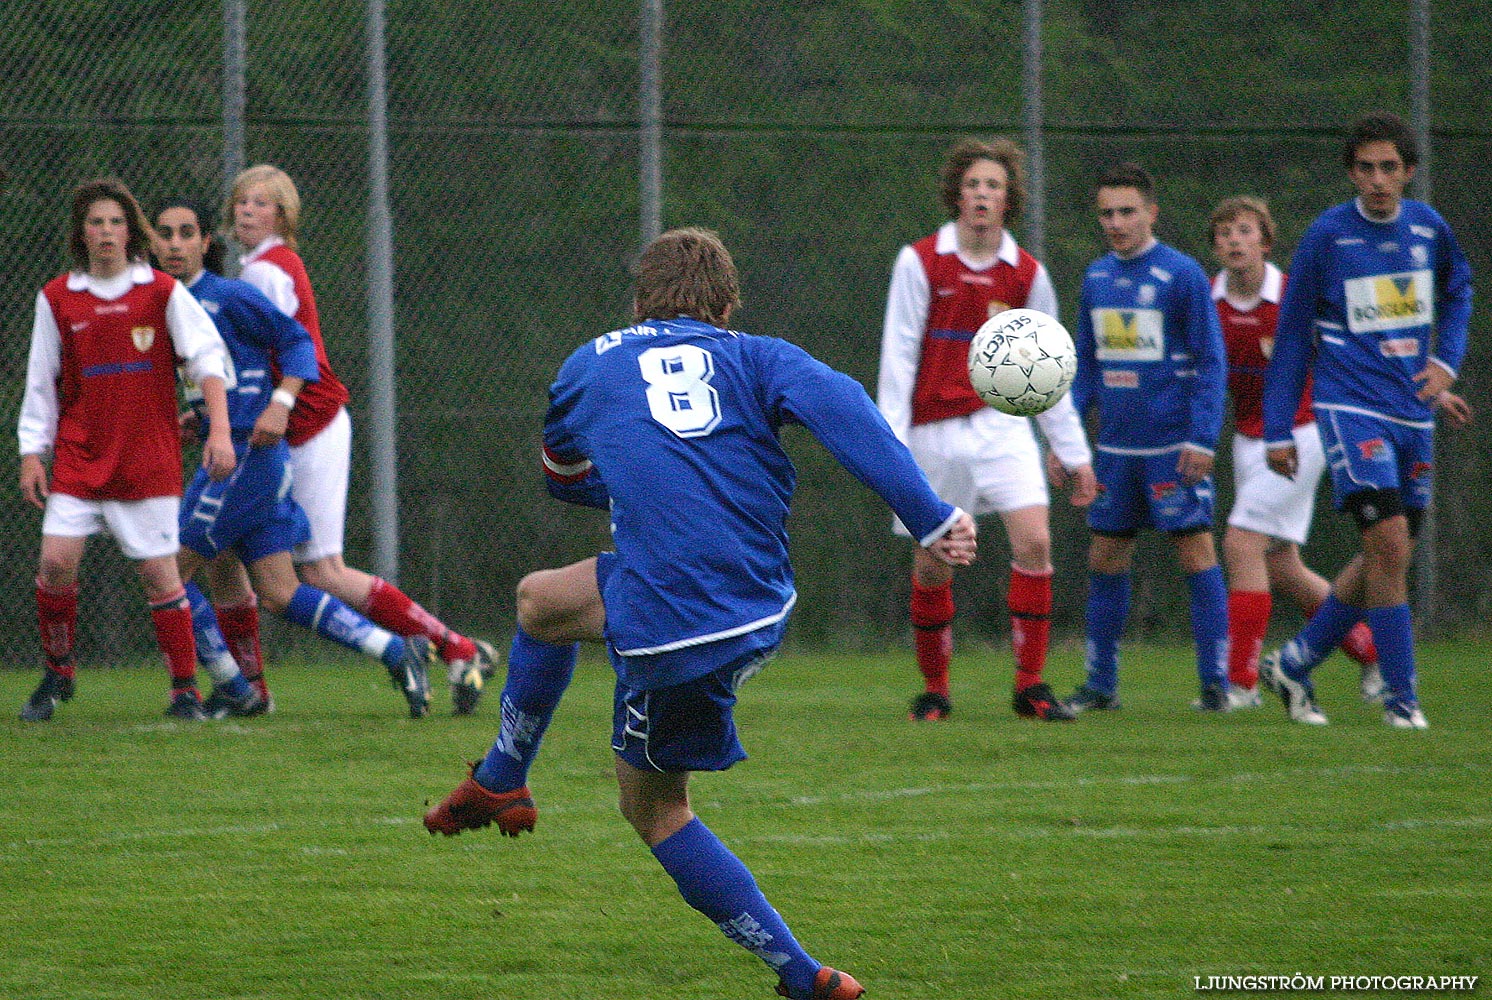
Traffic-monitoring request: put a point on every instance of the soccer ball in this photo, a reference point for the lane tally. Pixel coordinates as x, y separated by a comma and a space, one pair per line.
1022, 362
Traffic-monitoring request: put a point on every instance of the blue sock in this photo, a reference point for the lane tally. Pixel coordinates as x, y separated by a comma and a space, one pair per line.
715, 882
1108, 607
538, 674
1393, 634
212, 649
331, 619
1323, 633
1209, 600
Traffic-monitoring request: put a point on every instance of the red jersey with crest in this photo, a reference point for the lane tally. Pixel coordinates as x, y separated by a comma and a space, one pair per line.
318, 402
117, 435
1248, 335
961, 299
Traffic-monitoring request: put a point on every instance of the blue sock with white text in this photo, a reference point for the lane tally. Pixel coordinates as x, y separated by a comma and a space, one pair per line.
212, 649
538, 674
1323, 633
716, 883
331, 619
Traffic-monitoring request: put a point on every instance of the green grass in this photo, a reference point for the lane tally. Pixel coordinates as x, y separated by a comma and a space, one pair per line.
987, 856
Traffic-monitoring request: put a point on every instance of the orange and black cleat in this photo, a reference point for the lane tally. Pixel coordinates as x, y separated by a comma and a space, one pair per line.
471, 807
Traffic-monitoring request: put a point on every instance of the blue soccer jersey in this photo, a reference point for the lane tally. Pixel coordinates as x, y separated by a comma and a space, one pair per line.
1150, 352
251, 511
260, 339
1367, 306
675, 425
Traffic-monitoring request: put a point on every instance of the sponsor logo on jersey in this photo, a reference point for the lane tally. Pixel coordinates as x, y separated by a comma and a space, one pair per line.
1423, 232
144, 338
1129, 334
1146, 295
1161, 491
110, 308
1400, 347
1121, 378
1373, 450
1421, 470
1385, 302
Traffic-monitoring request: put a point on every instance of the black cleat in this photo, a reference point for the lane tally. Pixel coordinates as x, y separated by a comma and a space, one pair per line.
186, 704
1039, 702
1086, 699
54, 687
411, 675
929, 706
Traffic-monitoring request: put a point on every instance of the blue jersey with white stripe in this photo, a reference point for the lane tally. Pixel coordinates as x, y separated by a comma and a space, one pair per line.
257, 333
1150, 352
675, 424
1367, 306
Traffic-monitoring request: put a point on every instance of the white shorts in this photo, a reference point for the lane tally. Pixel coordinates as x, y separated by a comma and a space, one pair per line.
144, 529
1269, 503
319, 470
986, 463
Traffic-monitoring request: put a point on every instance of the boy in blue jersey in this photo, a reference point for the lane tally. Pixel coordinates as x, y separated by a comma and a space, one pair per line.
1151, 358
1377, 309
672, 424
251, 514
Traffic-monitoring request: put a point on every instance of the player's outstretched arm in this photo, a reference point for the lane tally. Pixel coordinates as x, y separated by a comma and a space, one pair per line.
959, 545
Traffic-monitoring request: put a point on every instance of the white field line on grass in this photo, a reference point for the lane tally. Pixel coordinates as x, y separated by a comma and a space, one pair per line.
17, 848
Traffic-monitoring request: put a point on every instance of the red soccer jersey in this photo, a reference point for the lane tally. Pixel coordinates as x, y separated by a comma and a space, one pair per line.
961, 298
1249, 338
117, 436
318, 402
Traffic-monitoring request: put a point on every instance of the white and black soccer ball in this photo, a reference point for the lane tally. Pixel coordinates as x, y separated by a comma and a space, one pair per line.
1022, 362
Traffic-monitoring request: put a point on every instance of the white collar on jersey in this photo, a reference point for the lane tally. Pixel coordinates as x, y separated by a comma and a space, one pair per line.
1398, 210
947, 242
1271, 290
266, 245
137, 272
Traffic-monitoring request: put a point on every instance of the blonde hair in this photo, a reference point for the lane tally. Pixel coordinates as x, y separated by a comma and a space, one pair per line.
281, 191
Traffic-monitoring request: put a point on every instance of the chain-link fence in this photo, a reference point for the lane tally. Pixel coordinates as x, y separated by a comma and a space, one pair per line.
808, 135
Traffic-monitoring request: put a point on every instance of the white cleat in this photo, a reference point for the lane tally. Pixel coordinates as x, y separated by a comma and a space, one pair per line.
1401, 716
1242, 697
1371, 686
1299, 697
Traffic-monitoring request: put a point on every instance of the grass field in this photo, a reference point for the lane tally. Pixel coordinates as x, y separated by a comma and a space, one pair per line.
987, 856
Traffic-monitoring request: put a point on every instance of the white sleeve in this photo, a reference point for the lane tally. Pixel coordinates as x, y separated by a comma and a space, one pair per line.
276, 285
37, 426
1043, 297
901, 340
1063, 430
196, 340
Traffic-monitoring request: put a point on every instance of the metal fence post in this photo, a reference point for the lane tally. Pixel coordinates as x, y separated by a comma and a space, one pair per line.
1034, 236
382, 417
650, 120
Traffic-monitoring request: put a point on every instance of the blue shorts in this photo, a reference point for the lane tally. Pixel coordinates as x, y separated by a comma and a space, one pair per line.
1139, 491
1365, 452
687, 727
250, 512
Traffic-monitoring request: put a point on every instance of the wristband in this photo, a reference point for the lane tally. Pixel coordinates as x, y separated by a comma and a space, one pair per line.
283, 396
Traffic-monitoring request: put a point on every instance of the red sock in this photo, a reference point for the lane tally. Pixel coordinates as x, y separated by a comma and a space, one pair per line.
394, 610
1030, 600
173, 633
57, 619
932, 628
1359, 644
1248, 621
240, 625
